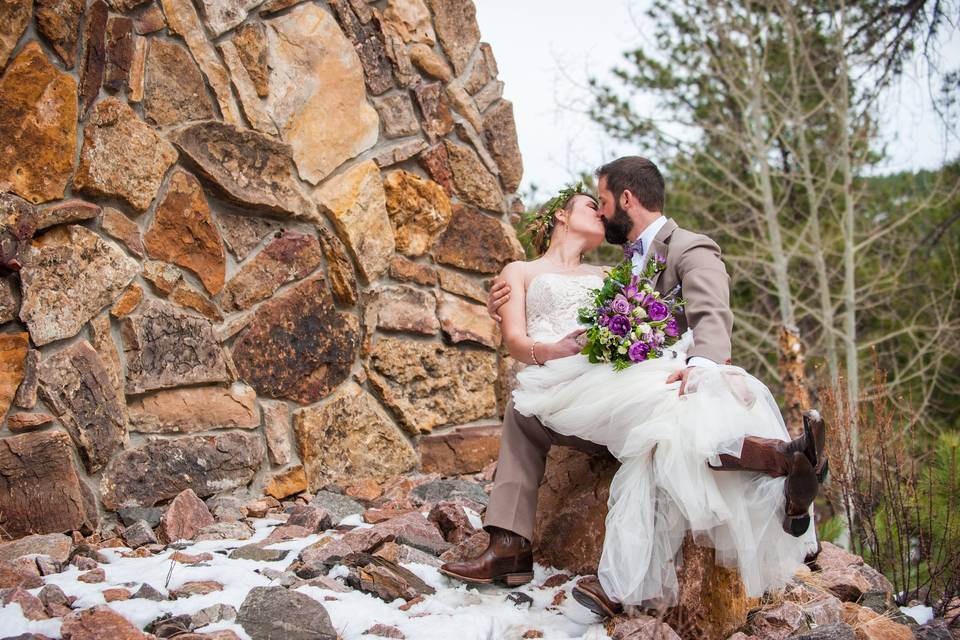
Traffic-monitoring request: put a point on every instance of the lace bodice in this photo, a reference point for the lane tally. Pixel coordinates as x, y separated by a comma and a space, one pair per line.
552, 303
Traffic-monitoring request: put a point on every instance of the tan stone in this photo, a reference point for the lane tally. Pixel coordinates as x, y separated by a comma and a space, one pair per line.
500, 131
489, 95
59, 22
429, 385
251, 43
460, 284
249, 99
184, 517
127, 301
65, 212
472, 182
460, 451
870, 625
173, 87
38, 126
476, 242
21, 422
101, 339
406, 270
456, 24
355, 202
419, 210
242, 233
122, 156
437, 165
463, 103
411, 21
317, 95
13, 357
349, 438
182, 19
149, 20
405, 308
343, 281
467, 133
276, 422
222, 15
398, 152
119, 226
465, 321
437, 119
14, 17
9, 299
396, 113
183, 231
195, 409
287, 483
161, 275
430, 62
100, 622
189, 297
290, 256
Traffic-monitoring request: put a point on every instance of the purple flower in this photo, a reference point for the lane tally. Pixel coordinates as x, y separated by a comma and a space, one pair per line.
620, 305
657, 311
671, 328
603, 319
619, 325
630, 291
638, 351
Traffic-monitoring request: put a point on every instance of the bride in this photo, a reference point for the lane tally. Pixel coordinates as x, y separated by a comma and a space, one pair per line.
671, 447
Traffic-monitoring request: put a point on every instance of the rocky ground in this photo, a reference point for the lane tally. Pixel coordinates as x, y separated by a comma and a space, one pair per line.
330, 565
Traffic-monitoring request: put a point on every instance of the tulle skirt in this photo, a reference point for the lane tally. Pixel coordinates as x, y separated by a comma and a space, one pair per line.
664, 487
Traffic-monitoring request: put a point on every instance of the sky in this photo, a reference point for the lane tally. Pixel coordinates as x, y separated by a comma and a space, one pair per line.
547, 49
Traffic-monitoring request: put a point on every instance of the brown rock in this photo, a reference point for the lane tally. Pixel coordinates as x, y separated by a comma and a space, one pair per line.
355, 202
251, 43
14, 17
276, 424
189, 297
30, 464
161, 275
93, 576
460, 284
116, 594
314, 519
13, 576
368, 39
437, 164
222, 15
161, 469
410, 19
642, 627
489, 95
472, 182
419, 210
196, 588
149, 20
465, 321
13, 356
183, 232
317, 97
404, 308
456, 24
246, 166
122, 156
182, 19
463, 103
127, 301
119, 226
343, 281
396, 113
120, 49
38, 124
54, 545
430, 62
500, 131
249, 100
123, 6
31, 607
291, 256
184, 517
452, 521
846, 576
348, 438
437, 119
406, 270
9, 299
287, 483
167, 347
461, 451
95, 55
73, 210
75, 384
476, 242
428, 385
21, 422
195, 409
97, 623
398, 152
477, 77
173, 87
297, 346
242, 233
870, 625
101, 339
26, 396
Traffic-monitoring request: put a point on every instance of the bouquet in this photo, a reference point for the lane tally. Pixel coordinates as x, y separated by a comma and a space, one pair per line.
630, 322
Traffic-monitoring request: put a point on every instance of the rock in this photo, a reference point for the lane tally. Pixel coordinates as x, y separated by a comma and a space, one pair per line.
846, 576
461, 451
314, 519
64, 212
384, 579
260, 508
93, 576
429, 62
212, 614
23, 422
355, 202
127, 302
184, 517
14, 17
242, 233
96, 623
166, 347
437, 491
404, 308
406, 270
225, 508
95, 55
225, 531
26, 396
139, 534
476, 242
222, 15
269, 612
173, 87
297, 346
257, 553
161, 275
247, 167
286, 532
419, 210
489, 95
161, 469
402, 553
500, 132
460, 284
472, 182
410, 19
437, 119
457, 30
120, 53
436, 163
276, 421
54, 545
384, 631
343, 281
396, 112
195, 409
122, 156
317, 97
69, 275
38, 124
412, 529
114, 595
182, 19
51, 594
188, 558
149, 20
337, 505
195, 588
833, 631
642, 627
463, 321
9, 299
131, 515
463, 103
453, 521
367, 35
290, 256
149, 593
75, 384
251, 43
13, 355
287, 483
350, 437
428, 385
249, 100
870, 625
119, 226
12, 576
777, 622
398, 152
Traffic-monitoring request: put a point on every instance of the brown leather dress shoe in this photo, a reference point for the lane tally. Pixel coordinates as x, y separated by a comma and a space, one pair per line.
590, 594
507, 559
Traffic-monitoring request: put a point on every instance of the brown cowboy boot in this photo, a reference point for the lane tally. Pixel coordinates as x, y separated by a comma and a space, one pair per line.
590, 594
508, 559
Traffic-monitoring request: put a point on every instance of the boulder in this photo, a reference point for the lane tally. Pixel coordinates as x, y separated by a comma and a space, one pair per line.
272, 612
476, 242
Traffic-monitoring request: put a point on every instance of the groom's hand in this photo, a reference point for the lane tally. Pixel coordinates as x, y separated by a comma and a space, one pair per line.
498, 295
680, 376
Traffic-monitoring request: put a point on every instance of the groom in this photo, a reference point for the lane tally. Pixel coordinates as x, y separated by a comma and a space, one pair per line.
631, 196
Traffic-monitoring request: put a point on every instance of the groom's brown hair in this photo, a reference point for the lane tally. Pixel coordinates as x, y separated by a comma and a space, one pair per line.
637, 175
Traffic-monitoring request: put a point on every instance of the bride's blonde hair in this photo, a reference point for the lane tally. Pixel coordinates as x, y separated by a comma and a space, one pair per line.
539, 224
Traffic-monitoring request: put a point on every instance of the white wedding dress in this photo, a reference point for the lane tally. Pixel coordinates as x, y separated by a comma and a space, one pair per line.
663, 487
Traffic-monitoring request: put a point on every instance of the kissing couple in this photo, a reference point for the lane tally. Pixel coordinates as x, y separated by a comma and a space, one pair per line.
702, 444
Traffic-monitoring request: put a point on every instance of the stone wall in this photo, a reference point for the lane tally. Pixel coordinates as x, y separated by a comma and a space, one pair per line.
244, 245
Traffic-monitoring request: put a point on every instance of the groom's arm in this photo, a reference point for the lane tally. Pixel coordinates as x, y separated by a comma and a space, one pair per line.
705, 286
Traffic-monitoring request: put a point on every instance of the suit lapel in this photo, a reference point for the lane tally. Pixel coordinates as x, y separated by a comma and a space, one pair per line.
660, 247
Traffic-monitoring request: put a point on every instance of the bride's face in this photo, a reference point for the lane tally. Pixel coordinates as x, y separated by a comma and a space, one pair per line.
583, 221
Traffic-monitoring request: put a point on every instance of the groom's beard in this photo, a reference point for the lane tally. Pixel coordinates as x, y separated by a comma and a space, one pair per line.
617, 228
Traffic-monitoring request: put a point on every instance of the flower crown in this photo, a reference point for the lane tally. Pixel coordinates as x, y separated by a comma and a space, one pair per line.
538, 225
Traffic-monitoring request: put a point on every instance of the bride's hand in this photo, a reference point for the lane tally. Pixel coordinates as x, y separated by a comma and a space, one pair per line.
568, 345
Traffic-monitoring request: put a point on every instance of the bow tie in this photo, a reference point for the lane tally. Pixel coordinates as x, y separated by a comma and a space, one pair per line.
631, 248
